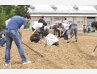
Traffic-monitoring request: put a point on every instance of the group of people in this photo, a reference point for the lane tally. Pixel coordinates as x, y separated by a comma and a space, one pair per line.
40, 31
62, 30
15, 26
13, 32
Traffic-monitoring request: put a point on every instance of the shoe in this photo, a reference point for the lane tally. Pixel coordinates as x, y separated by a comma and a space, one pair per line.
2, 45
57, 45
28, 62
67, 41
76, 41
6, 64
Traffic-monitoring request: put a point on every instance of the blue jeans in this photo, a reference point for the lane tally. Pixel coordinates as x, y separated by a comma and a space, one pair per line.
12, 35
73, 30
2, 41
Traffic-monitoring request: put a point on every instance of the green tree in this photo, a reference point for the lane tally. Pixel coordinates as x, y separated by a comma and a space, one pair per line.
22, 9
12, 13
27, 25
7, 11
2, 19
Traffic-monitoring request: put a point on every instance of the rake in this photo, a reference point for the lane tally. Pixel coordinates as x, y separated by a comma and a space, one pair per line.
33, 49
93, 52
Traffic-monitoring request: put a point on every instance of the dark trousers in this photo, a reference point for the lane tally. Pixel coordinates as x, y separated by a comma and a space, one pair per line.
84, 30
33, 29
66, 35
56, 43
55, 31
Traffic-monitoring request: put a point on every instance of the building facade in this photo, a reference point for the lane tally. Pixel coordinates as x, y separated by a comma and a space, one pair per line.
79, 19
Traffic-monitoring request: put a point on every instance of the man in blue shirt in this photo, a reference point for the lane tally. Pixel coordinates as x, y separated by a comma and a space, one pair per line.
13, 32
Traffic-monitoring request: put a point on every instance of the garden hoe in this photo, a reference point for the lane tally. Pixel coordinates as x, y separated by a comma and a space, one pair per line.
93, 52
33, 50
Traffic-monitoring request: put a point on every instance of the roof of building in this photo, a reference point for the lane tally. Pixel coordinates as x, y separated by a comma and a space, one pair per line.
62, 9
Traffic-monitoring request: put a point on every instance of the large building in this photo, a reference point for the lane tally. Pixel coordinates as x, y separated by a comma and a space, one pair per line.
82, 15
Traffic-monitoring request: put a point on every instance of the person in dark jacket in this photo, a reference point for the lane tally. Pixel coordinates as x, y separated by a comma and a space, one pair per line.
2, 38
41, 20
94, 25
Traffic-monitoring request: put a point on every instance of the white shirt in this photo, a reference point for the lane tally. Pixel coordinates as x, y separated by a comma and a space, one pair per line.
66, 26
61, 29
51, 39
37, 25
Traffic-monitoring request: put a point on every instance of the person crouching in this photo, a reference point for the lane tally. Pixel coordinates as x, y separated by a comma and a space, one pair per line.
50, 39
35, 37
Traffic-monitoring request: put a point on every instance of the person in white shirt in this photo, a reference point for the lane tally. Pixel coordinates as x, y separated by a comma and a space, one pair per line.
64, 28
37, 26
65, 32
41, 20
51, 39
36, 29
65, 23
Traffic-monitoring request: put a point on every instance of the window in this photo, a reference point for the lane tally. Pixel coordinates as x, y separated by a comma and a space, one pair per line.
48, 23
70, 22
78, 22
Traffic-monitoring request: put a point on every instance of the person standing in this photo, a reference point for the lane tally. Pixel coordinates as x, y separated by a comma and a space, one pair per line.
13, 32
73, 29
55, 28
65, 23
84, 28
41, 20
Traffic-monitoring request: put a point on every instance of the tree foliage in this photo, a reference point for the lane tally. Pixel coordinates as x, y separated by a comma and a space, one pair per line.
7, 11
22, 10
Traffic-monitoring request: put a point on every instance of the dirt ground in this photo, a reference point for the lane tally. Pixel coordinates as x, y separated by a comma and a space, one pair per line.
73, 55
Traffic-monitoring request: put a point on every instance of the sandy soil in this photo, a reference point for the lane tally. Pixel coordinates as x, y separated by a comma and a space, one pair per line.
73, 55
